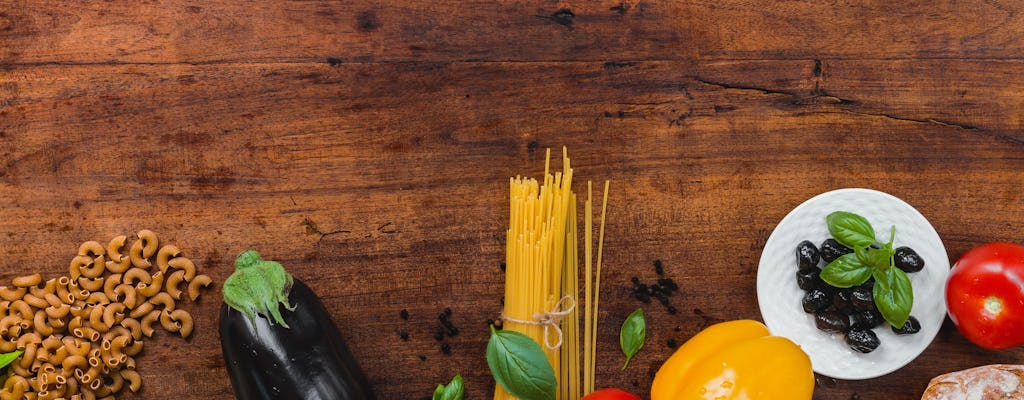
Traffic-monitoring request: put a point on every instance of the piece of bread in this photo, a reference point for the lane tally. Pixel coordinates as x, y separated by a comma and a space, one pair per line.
990, 382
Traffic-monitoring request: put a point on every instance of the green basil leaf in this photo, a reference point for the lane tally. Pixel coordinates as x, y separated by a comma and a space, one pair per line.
846, 271
850, 230
8, 358
893, 295
878, 258
632, 335
520, 366
453, 391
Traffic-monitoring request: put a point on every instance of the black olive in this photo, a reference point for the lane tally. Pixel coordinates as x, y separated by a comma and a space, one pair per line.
842, 301
831, 250
862, 298
864, 341
910, 327
865, 320
908, 260
807, 255
816, 300
809, 279
832, 321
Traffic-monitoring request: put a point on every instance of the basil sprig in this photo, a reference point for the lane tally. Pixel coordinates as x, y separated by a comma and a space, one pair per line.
8, 358
892, 292
632, 335
453, 391
520, 366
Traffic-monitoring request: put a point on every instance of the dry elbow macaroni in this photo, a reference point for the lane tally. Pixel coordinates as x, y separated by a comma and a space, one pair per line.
80, 333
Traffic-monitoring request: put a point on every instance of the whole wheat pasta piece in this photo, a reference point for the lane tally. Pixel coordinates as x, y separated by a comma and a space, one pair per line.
86, 333
141, 310
16, 385
75, 322
169, 323
9, 322
116, 331
163, 299
4, 306
40, 325
11, 293
8, 346
94, 372
133, 327
133, 379
129, 363
112, 314
17, 369
143, 249
23, 309
47, 287
166, 252
76, 346
77, 263
96, 319
153, 287
110, 282
74, 362
91, 248
97, 298
147, 321
78, 293
127, 295
95, 268
116, 382
27, 280
134, 276
199, 282
114, 248
51, 343
53, 301
184, 320
59, 355
29, 356
91, 284
57, 324
119, 344
172, 282
62, 291
118, 267
35, 302
184, 264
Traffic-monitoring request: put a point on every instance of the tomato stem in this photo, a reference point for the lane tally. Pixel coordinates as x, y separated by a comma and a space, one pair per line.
993, 306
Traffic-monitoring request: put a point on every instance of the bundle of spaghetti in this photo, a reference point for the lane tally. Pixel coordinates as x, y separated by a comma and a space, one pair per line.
535, 257
542, 279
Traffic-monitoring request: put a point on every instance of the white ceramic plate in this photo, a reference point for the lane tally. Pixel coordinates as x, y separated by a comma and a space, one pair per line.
779, 297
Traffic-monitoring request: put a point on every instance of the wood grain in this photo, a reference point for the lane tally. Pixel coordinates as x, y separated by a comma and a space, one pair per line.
380, 177
184, 31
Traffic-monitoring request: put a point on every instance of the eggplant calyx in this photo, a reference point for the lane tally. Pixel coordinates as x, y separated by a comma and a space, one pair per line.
257, 287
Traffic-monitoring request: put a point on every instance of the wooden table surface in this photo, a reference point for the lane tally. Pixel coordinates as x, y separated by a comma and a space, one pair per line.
367, 145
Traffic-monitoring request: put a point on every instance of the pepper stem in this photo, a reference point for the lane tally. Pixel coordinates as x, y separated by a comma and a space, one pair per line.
258, 287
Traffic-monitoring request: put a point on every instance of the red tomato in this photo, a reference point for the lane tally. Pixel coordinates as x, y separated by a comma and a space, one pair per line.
611, 394
985, 295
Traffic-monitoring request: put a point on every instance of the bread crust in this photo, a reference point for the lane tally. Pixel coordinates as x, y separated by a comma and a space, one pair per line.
990, 382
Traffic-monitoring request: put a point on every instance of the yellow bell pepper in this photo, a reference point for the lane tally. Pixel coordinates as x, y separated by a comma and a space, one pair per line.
735, 360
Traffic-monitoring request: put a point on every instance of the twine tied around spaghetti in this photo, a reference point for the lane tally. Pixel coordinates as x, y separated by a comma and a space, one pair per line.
549, 320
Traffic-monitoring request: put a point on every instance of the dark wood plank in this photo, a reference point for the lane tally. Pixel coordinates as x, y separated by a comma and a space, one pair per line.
384, 185
183, 31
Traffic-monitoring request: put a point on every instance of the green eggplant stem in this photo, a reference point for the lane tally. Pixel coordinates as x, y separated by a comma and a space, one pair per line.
257, 287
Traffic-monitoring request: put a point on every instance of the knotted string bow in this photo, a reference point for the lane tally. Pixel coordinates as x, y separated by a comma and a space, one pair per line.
549, 320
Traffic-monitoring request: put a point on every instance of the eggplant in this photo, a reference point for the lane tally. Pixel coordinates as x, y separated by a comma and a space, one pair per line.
279, 341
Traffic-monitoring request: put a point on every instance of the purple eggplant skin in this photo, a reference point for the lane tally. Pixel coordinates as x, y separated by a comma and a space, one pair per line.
307, 361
